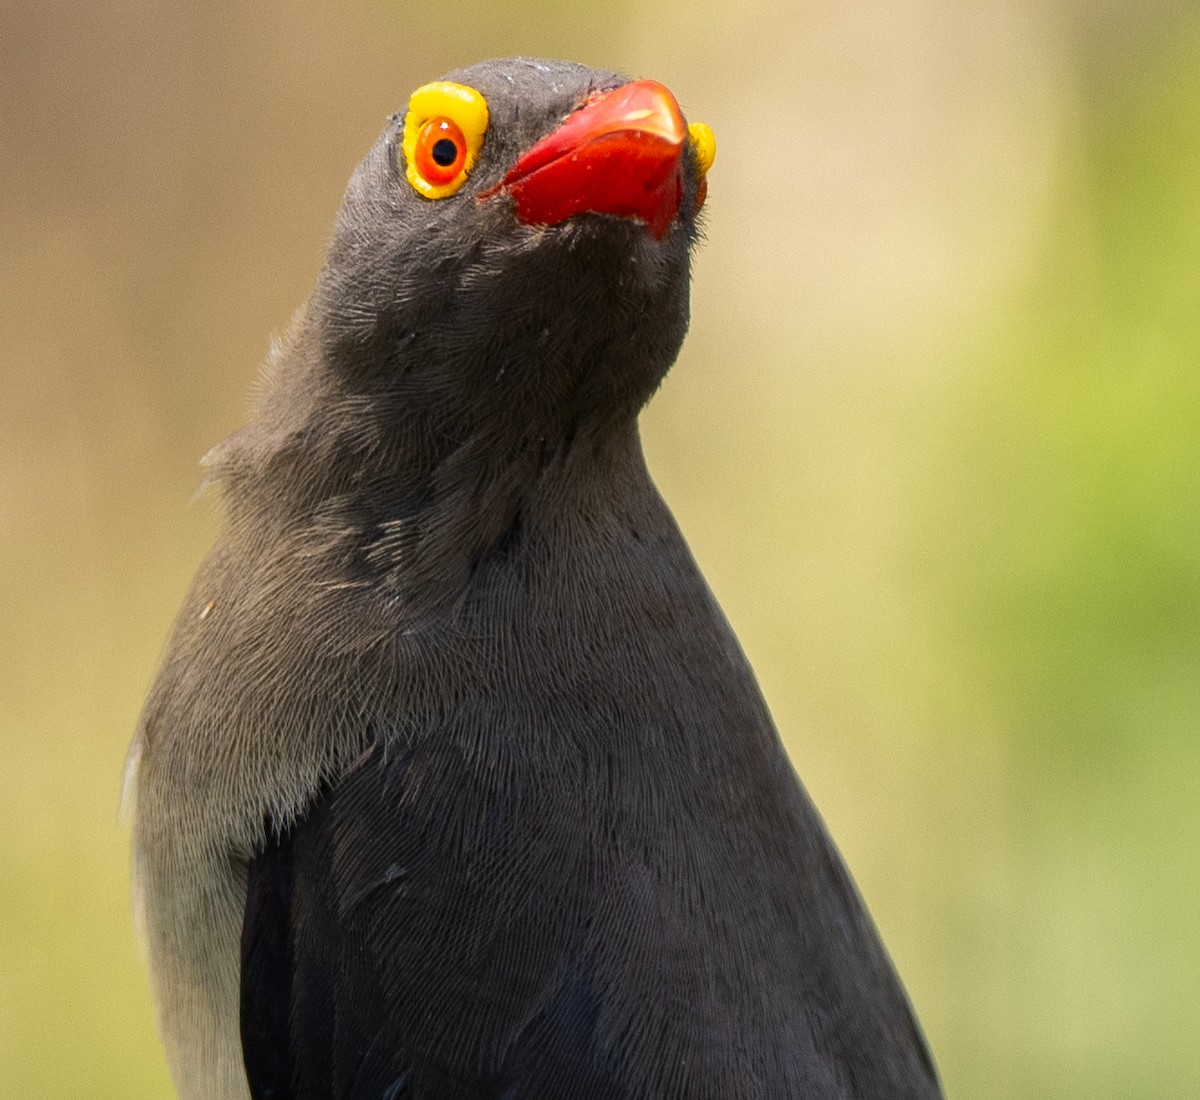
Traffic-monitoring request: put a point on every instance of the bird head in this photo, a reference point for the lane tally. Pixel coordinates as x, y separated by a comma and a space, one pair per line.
515, 248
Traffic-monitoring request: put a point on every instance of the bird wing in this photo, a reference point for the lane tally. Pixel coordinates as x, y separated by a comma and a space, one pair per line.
383, 954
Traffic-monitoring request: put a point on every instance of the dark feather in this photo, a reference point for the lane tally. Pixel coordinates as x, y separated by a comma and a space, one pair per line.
529, 831
591, 872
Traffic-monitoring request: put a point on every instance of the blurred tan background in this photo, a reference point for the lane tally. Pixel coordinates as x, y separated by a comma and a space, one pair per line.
935, 438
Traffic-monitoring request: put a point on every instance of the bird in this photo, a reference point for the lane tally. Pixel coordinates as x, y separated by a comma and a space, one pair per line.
453, 780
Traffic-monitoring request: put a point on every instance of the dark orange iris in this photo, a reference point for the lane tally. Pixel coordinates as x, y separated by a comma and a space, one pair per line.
441, 151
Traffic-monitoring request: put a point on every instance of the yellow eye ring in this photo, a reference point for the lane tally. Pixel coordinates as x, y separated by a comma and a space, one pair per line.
704, 141
439, 113
704, 148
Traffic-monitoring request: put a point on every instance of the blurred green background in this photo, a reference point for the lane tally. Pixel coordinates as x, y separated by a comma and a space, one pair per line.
934, 437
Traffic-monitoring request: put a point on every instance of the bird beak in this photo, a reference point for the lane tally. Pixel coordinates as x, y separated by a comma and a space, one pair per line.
620, 153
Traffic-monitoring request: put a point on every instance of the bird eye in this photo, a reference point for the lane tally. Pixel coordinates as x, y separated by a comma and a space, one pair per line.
441, 151
443, 133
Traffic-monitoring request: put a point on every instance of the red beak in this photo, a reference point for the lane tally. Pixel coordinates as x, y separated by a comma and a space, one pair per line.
621, 153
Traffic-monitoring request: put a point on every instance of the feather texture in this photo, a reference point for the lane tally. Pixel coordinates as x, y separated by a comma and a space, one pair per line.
454, 782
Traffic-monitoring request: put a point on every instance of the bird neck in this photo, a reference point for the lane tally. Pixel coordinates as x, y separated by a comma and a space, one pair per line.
359, 479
